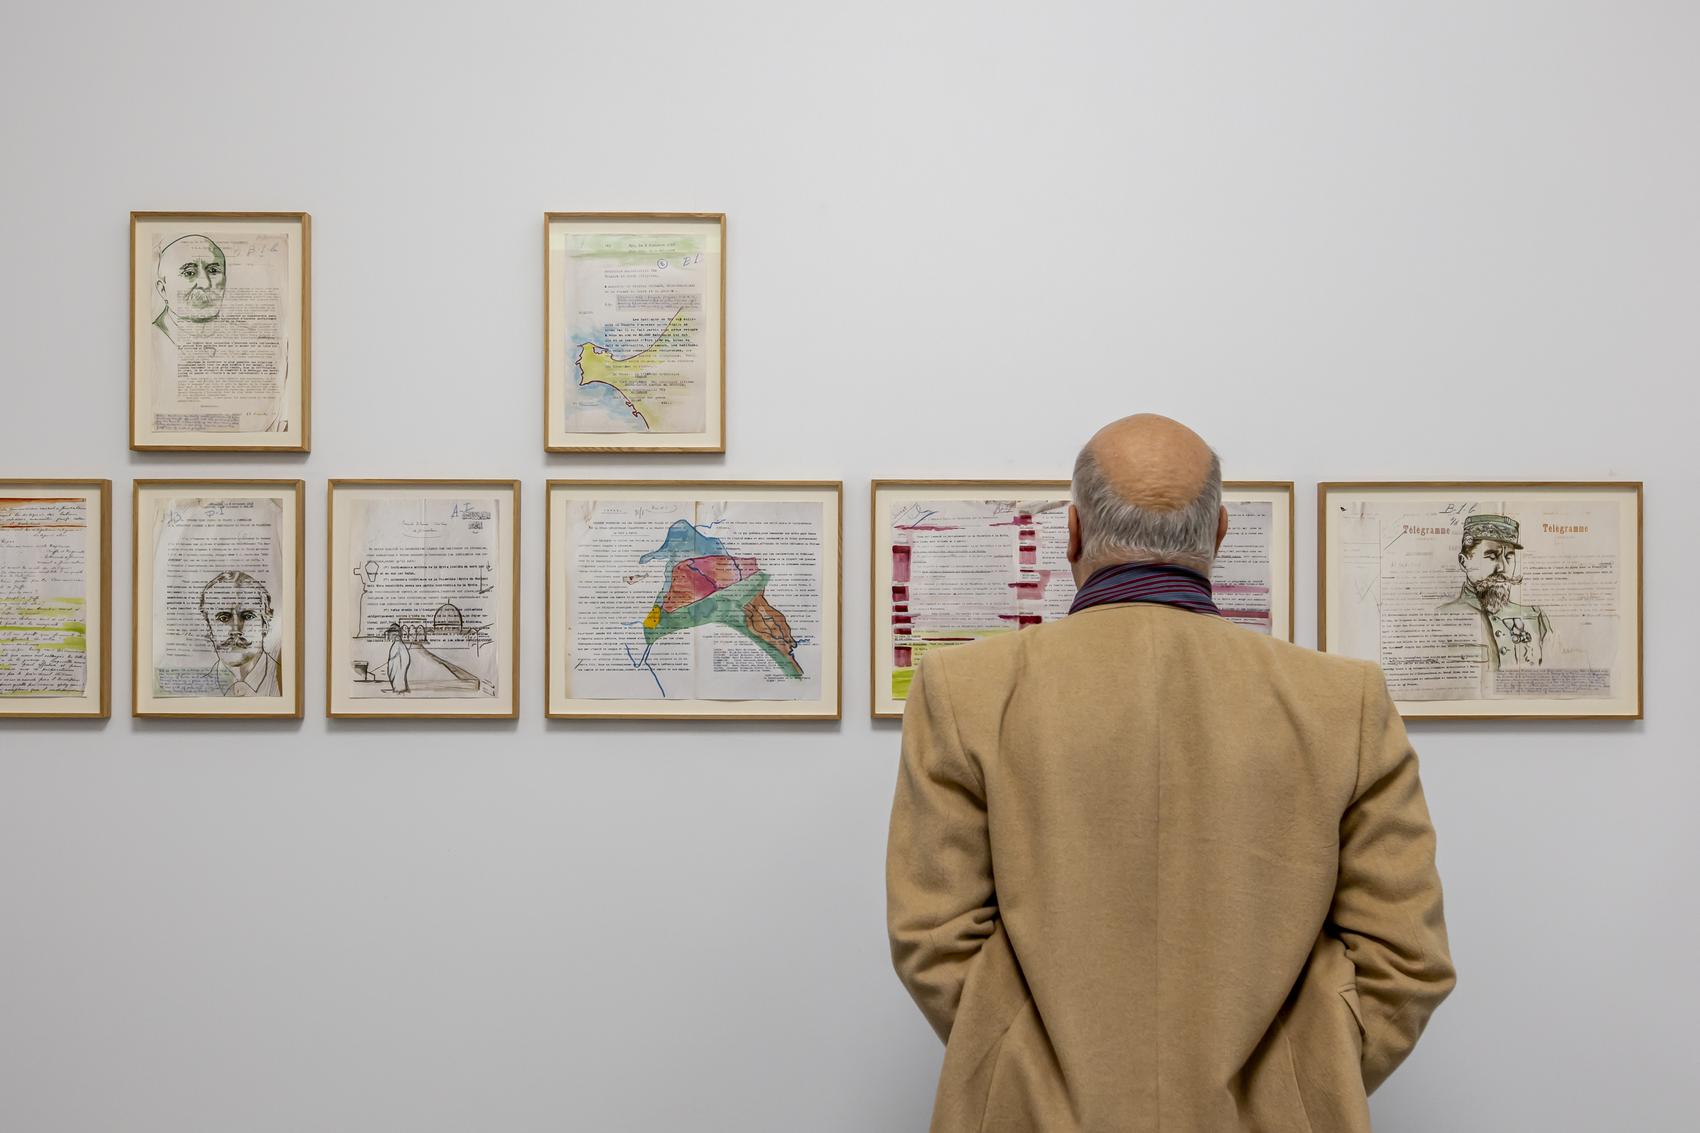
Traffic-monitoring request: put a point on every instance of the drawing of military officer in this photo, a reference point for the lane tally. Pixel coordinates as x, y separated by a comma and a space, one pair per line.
1516, 634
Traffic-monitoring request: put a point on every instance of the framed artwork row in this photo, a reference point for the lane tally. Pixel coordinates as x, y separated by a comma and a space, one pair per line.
634, 332
722, 599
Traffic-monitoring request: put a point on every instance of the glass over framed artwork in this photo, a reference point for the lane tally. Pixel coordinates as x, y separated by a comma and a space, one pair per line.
216, 600
959, 560
694, 599
55, 599
423, 615
634, 332
1487, 600
220, 322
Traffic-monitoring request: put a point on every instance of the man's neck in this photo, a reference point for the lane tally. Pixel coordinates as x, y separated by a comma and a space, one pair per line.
1083, 573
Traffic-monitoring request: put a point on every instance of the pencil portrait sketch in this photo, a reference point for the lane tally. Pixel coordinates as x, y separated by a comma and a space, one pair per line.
236, 609
1515, 634
218, 327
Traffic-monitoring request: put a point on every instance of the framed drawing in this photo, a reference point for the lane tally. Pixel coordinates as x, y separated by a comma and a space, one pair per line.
423, 616
1484, 600
694, 599
634, 332
220, 325
55, 599
216, 602
958, 560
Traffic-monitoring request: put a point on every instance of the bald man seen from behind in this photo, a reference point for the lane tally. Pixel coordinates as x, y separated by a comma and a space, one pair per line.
1149, 870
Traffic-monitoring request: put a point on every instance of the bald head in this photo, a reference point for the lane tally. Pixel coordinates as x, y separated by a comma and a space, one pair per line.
1146, 489
190, 279
1151, 461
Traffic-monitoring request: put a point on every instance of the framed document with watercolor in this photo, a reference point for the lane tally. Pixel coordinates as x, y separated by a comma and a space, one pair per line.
959, 560
216, 599
694, 599
219, 331
55, 599
1485, 600
634, 337
423, 615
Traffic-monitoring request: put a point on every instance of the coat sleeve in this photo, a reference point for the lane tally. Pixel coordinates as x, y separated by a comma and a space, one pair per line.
940, 904
1387, 902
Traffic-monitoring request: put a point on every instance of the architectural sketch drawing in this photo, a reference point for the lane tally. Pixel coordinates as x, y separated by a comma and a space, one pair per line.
425, 618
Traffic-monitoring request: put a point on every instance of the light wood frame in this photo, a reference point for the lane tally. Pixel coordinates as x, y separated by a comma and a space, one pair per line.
303, 443
36, 708
832, 569
715, 442
296, 575
334, 590
996, 489
1414, 709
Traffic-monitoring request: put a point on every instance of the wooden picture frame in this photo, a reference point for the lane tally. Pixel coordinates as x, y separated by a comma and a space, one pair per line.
223, 570
1050, 585
1504, 599
429, 644
217, 368
752, 569
48, 612
617, 368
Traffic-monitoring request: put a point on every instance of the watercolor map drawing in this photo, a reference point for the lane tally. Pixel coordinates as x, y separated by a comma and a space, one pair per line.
707, 585
637, 343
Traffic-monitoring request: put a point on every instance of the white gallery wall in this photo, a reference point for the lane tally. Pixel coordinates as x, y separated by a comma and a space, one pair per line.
1452, 240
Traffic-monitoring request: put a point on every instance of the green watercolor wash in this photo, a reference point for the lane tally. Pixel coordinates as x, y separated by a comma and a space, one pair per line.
633, 248
70, 645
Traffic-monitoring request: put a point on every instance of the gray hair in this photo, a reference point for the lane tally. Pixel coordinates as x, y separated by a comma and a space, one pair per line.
1112, 530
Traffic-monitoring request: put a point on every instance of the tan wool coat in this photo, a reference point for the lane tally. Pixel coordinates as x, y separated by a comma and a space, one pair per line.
1149, 870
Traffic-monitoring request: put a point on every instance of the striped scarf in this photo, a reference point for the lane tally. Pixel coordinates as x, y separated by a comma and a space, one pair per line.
1162, 583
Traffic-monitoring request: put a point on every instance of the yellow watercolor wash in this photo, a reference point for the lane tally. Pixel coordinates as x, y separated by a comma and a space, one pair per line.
652, 376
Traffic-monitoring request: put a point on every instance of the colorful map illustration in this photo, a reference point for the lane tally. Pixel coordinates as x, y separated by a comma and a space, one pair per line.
639, 313
640, 384
706, 585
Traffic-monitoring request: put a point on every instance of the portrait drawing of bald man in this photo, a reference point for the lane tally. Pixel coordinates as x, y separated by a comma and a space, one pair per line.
217, 344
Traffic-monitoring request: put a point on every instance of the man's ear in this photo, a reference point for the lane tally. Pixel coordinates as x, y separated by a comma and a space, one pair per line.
1074, 540
1221, 526
159, 286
